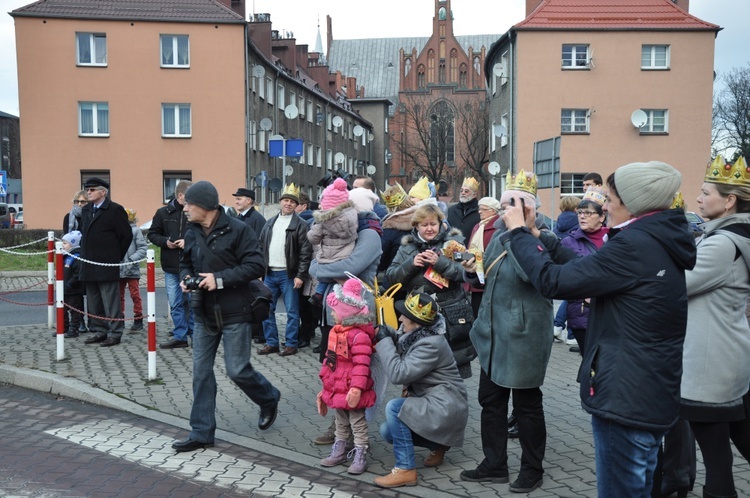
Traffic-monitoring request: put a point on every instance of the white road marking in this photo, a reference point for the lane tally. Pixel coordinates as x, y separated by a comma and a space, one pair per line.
153, 450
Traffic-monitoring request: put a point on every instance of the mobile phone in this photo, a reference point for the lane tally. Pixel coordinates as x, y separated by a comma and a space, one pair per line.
462, 256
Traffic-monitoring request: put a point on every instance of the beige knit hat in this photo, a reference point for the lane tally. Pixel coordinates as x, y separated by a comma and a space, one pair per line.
647, 187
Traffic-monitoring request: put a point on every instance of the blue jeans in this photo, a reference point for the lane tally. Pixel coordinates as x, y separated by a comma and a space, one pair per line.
625, 459
237, 348
179, 307
397, 433
280, 284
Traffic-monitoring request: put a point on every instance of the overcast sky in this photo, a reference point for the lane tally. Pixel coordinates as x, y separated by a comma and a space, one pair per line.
397, 18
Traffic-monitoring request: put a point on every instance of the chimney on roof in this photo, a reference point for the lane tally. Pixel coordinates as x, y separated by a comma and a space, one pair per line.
531, 5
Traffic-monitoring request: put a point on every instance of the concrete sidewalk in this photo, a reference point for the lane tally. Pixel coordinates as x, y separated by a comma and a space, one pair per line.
118, 377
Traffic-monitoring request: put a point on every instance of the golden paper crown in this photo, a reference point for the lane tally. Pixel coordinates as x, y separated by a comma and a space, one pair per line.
131, 215
728, 174
678, 201
421, 311
421, 189
522, 181
393, 196
471, 183
595, 194
290, 191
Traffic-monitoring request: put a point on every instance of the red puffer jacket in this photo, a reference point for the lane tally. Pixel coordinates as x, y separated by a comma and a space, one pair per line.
347, 367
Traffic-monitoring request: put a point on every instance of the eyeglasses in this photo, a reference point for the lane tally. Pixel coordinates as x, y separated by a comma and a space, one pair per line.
80, 201
586, 214
93, 189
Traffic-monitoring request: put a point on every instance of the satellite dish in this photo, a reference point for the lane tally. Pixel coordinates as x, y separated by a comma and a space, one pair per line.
638, 118
493, 168
291, 111
266, 124
276, 137
337, 121
289, 170
339, 157
275, 185
498, 70
371, 169
499, 130
358, 131
370, 137
258, 71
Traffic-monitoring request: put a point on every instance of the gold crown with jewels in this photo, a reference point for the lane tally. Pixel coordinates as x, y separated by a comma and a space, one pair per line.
292, 191
719, 171
523, 181
393, 196
678, 201
422, 311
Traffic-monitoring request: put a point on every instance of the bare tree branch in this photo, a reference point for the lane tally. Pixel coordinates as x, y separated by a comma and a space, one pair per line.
732, 113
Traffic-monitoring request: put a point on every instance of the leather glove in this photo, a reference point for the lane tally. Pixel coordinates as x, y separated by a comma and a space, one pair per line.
353, 396
322, 407
385, 331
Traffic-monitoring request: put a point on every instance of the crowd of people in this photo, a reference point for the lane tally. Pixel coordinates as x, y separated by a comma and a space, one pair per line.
657, 316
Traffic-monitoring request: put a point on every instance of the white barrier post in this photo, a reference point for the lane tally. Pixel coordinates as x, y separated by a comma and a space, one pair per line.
51, 279
60, 301
151, 310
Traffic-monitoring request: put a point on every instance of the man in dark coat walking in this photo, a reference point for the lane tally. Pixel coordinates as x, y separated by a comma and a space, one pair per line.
106, 238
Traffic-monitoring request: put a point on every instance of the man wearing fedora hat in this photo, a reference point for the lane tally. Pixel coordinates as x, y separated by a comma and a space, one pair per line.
244, 201
106, 239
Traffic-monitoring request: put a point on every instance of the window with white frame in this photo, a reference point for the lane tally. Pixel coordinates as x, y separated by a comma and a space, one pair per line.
505, 61
262, 140
269, 90
318, 112
574, 121
310, 151
309, 112
293, 98
504, 123
91, 49
280, 97
493, 138
575, 56
170, 179
253, 135
175, 51
329, 158
318, 157
657, 121
655, 57
261, 88
302, 156
572, 183
93, 119
176, 121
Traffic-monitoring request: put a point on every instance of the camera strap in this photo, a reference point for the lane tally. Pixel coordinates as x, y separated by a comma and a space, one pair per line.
209, 257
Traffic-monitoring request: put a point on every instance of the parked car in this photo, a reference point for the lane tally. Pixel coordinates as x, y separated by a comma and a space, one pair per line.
18, 220
4, 215
694, 220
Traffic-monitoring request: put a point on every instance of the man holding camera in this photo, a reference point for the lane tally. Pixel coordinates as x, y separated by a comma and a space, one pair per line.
220, 258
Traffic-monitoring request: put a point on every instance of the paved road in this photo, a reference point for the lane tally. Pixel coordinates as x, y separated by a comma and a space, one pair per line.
117, 378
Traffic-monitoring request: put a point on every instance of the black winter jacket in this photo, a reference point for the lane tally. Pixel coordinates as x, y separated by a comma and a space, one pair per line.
235, 246
71, 272
298, 250
637, 319
106, 239
169, 223
464, 216
254, 219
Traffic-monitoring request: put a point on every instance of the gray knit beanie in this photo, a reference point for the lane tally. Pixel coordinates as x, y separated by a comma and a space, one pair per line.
647, 187
203, 194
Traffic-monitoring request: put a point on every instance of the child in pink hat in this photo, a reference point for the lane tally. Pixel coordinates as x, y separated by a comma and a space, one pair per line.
334, 230
347, 383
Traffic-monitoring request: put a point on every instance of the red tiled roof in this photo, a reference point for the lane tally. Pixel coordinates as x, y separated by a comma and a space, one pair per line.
145, 10
612, 14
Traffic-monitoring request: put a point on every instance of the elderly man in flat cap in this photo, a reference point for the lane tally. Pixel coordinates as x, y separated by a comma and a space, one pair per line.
106, 238
244, 201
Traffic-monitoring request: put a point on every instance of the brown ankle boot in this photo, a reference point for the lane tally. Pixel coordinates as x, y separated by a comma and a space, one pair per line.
435, 458
397, 478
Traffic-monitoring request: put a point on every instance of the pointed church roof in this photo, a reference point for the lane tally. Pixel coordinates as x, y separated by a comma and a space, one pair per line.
319, 41
623, 14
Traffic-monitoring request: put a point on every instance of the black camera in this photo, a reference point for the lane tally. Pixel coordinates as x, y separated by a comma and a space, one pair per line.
329, 178
462, 256
192, 283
